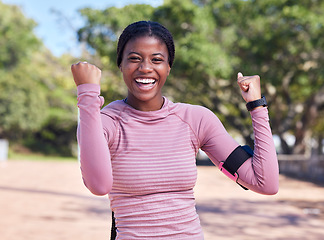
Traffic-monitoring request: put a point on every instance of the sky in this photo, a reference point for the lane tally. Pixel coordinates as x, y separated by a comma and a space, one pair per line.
57, 29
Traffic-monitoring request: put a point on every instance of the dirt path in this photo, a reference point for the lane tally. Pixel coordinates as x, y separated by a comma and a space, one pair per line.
47, 201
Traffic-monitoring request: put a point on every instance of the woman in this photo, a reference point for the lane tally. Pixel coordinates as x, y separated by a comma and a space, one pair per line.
141, 150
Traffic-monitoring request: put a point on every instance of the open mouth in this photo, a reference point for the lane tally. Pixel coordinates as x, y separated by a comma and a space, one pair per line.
145, 83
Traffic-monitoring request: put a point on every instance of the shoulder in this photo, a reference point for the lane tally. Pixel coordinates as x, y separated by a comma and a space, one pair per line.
199, 118
113, 109
190, 112
111, 114
203, 122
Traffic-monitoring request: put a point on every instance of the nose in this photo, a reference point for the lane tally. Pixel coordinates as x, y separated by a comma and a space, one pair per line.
146, 66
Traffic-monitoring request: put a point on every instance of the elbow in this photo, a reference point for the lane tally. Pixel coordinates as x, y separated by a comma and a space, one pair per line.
99, 189
272, 187
269, 190
265, 189
100, 192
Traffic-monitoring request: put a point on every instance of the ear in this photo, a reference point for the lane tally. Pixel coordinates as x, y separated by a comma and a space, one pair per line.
169, 70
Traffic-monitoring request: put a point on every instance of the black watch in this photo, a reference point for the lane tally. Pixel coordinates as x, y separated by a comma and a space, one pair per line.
257, 103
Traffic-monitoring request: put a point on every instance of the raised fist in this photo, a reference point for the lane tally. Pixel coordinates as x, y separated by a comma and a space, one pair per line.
84, 72
250, 87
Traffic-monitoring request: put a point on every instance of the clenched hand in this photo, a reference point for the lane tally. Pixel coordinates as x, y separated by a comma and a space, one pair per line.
84, 72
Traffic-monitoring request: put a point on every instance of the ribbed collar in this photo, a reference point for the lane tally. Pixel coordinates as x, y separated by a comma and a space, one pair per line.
127, 110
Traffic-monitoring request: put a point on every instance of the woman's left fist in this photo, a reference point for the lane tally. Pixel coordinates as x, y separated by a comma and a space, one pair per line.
250, 87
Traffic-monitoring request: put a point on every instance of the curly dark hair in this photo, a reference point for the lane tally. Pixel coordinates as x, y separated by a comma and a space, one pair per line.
145, 28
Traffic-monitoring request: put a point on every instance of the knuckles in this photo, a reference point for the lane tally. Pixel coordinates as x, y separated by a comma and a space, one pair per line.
256, 77
248, 79
84, 66
84, 72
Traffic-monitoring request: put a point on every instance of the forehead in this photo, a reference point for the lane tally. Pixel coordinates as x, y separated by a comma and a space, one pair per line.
146, 43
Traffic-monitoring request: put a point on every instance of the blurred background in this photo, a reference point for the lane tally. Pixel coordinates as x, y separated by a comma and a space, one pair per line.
280, 40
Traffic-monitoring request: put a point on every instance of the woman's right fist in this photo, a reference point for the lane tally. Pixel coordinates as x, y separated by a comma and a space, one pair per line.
84, 72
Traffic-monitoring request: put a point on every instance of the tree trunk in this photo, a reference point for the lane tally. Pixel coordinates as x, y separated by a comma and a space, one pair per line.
303, 126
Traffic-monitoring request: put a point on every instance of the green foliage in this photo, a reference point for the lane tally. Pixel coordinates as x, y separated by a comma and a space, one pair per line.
22, 101
57, 134
103, 27
37, 94
21, 108
17, 39
282, 41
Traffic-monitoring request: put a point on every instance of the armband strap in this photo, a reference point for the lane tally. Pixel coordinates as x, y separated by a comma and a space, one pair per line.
234, 162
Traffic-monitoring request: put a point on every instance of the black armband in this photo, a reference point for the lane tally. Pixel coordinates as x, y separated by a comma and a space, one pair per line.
234, 162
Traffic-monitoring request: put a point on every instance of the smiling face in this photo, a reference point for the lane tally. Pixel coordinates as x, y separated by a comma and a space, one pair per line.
145, 69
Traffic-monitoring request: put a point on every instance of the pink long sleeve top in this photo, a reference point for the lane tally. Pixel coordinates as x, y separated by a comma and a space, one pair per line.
145, 161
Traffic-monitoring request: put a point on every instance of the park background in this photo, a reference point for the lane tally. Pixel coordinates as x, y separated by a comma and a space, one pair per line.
282, 41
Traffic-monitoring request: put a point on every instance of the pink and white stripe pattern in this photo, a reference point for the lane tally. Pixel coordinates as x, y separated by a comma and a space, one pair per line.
146, 161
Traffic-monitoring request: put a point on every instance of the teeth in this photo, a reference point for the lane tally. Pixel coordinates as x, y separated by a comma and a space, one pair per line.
145, 80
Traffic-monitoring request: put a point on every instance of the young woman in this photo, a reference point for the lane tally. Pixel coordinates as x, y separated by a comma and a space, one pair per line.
141, 150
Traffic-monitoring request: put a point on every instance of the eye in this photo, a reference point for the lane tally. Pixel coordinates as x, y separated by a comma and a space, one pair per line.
157, 60
134, 58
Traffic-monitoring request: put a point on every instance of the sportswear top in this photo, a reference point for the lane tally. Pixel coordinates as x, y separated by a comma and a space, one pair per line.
146, 161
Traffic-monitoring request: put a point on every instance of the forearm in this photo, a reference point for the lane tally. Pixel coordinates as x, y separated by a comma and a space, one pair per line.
94, 153
261, 173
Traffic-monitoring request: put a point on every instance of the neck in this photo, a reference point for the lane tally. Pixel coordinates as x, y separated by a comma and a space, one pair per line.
145, 105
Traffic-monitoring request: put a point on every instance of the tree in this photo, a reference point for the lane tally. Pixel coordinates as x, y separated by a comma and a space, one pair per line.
282, 41
57, 133
37, 93
20, 108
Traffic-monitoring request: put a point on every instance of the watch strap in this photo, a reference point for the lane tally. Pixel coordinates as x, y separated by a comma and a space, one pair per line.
257, 103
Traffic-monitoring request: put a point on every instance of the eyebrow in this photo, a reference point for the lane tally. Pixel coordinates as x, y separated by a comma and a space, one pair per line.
154, 54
